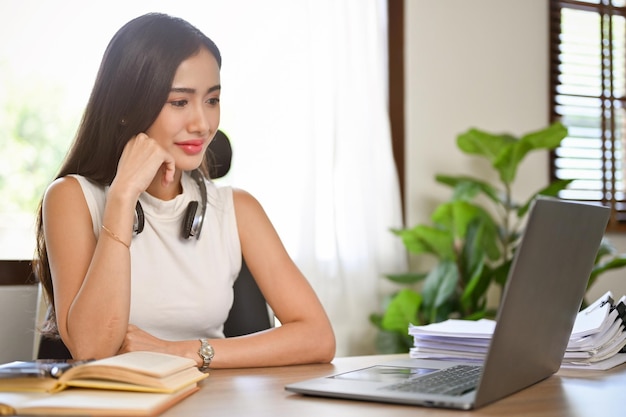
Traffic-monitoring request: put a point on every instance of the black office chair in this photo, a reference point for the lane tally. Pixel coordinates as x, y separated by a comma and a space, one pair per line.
249, 313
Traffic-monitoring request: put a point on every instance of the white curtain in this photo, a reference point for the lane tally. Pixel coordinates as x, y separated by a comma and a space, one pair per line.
311, 137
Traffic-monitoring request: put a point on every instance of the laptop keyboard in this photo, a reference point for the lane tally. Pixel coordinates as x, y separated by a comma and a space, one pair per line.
456, 380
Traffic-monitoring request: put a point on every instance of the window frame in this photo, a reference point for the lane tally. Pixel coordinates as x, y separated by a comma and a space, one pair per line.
395, 42
609, 133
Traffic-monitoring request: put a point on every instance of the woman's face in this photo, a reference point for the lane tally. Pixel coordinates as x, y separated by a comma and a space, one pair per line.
191, 115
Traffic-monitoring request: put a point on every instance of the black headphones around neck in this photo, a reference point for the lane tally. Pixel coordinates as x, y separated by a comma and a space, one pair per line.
193, 220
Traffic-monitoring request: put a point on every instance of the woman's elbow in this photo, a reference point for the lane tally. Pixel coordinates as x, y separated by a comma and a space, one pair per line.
326, 346
95, 344
89, 351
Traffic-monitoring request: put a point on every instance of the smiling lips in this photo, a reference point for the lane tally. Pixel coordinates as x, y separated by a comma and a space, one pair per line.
191, 147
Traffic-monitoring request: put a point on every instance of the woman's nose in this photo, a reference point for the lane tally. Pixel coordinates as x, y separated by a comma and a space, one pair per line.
199, 121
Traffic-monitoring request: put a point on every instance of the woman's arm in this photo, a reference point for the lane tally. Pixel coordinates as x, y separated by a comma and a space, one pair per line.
305, 334
91, 278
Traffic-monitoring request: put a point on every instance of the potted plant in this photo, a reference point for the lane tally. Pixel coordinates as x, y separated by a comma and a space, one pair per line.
473, 238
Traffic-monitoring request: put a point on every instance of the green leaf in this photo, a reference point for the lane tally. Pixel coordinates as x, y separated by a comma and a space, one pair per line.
401, 311
547, 138
439, 286
505, 152
475, 281
476, 290
427, 239
455, 216
377, 320
614, 263
508, 161
472, 253
477, 315
444, 311
458, 215
407, 278
501, 273
489, 233
466, 188
482, 143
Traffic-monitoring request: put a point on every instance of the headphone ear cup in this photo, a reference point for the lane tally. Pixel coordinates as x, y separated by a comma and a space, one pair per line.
139, 219
190, 215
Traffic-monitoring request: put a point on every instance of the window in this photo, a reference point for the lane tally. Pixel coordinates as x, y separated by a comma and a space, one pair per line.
587, 89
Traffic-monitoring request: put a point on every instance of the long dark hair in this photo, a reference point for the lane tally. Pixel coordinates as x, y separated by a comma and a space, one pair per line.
132, 85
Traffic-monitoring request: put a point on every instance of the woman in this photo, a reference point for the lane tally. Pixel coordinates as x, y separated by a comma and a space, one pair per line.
109, 240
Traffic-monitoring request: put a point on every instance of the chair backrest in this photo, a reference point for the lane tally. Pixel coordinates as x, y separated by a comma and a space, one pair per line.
249, 312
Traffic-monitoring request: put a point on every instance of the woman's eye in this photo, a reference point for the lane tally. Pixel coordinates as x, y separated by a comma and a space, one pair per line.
213, 101
178, 103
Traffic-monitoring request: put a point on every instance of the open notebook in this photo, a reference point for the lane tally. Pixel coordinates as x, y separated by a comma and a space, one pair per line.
544, 291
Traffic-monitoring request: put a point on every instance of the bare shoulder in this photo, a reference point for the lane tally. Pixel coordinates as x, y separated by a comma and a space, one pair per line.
245, 202
63, 186
62, 189
242, 196
67, 223
252, 221
62, 193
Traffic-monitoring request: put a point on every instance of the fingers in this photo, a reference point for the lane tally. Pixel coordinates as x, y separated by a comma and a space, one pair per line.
131, 340
138, 339
141, 160
169, 168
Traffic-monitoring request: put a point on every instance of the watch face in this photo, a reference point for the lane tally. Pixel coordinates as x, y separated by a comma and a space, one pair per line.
207, 352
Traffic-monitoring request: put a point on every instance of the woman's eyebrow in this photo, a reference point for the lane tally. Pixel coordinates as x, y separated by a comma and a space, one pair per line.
187, 90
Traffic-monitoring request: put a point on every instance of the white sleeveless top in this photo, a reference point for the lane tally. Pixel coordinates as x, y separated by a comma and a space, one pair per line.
180, 288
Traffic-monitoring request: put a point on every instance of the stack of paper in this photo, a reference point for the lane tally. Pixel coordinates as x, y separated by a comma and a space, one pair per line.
598, 336
597, 339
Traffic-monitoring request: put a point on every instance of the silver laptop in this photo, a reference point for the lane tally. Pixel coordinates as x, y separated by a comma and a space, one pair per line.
545, 288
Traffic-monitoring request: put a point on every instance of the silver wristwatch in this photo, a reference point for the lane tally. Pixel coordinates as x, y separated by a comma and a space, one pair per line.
206, 352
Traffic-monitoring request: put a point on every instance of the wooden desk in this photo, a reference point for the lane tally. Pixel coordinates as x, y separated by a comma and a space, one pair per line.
260, 392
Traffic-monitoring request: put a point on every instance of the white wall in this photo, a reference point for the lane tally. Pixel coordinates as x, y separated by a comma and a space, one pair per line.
484, 64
